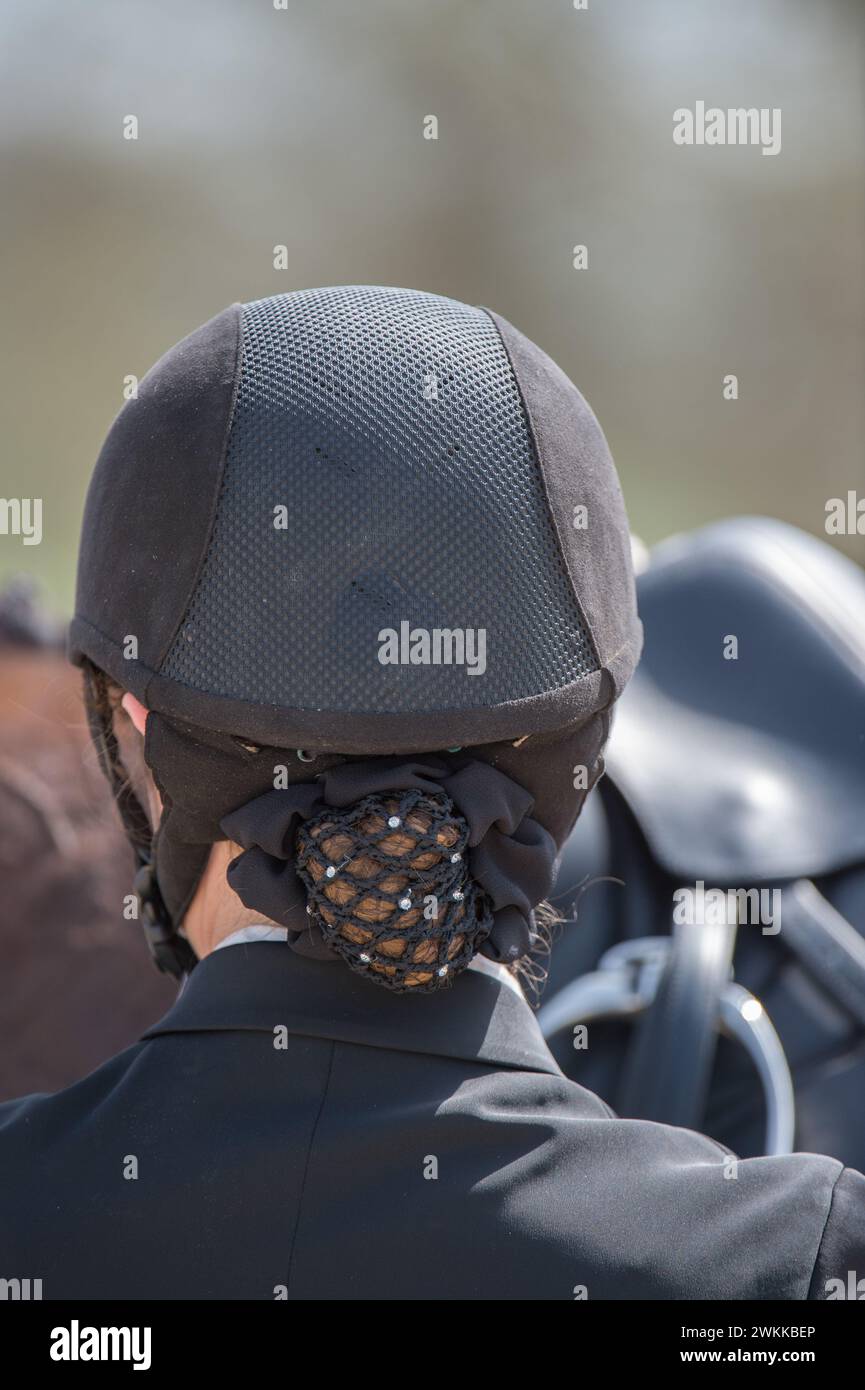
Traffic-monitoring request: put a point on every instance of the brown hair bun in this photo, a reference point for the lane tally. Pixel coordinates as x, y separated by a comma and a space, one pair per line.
389, 888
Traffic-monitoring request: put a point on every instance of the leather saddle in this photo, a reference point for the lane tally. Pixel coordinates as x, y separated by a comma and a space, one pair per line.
736, 766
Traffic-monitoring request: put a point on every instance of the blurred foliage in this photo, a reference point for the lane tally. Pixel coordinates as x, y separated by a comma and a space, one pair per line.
304, 127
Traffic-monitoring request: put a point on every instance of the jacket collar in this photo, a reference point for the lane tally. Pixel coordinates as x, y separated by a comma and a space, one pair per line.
265, 985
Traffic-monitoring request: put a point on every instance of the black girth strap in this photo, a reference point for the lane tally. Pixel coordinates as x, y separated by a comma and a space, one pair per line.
672, 1048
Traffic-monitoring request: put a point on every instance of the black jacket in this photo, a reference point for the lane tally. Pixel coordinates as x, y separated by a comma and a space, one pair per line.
387, 1146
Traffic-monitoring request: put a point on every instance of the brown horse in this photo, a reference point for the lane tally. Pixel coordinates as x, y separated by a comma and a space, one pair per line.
78, 982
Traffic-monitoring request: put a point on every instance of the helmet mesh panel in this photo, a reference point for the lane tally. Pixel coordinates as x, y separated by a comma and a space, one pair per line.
388, 425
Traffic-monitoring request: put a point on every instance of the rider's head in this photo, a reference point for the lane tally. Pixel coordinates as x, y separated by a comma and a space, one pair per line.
359, 560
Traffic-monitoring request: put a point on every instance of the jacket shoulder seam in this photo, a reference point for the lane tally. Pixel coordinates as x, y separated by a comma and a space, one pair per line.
838, 1178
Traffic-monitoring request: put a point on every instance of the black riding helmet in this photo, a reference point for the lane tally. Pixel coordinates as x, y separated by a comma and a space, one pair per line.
312, 477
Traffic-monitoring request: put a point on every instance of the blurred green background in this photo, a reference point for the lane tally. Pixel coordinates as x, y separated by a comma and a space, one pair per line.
304, 126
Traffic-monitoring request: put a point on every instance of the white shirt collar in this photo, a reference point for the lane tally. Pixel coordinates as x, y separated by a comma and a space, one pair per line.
260, 931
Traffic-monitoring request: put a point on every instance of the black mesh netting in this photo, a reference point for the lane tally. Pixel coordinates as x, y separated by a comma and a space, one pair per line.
388, 887
383, 432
